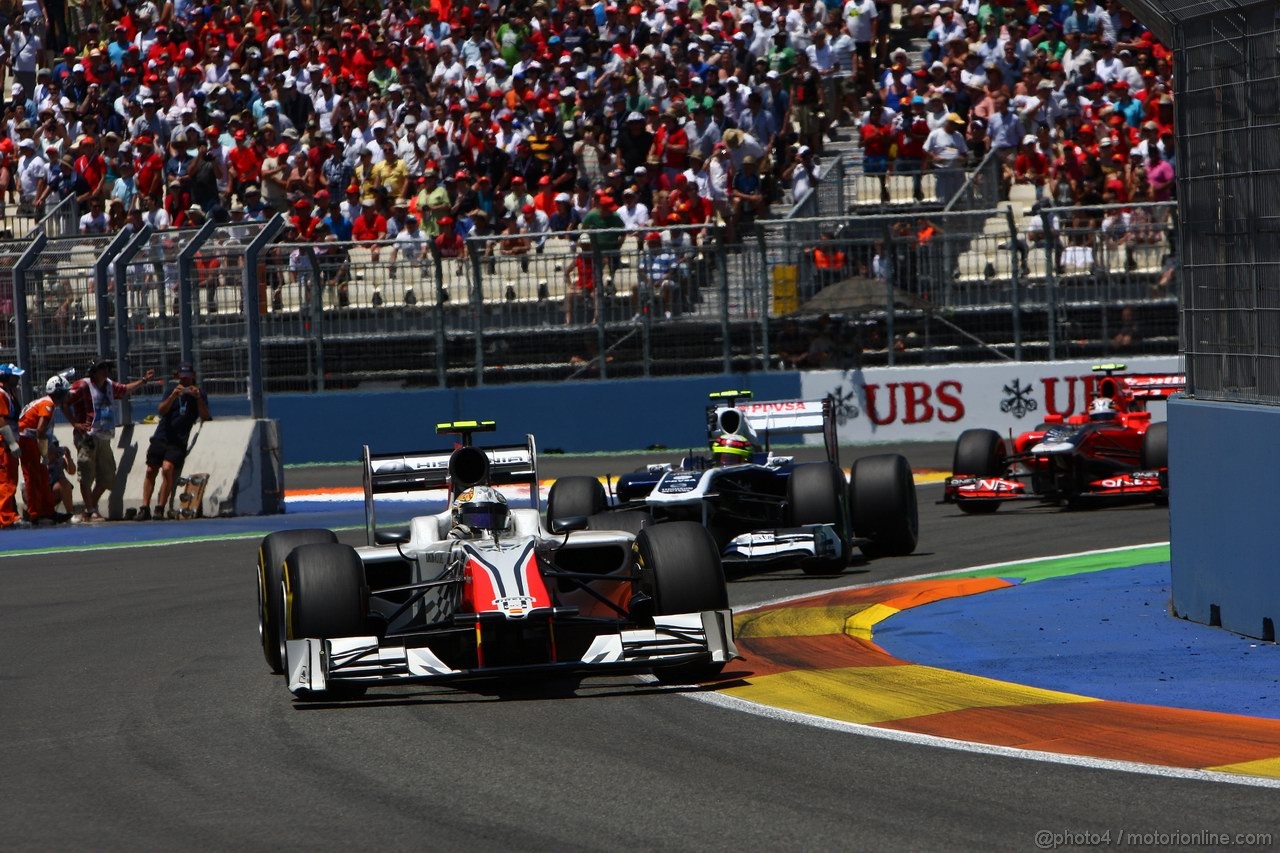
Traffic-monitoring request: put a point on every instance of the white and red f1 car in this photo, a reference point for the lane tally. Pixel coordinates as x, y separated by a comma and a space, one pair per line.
442, 601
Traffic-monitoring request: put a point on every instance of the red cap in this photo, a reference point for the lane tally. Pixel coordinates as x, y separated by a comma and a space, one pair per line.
446, 221
302, 204
518, 179
146, 140
544, 181
527, 209
239, 135
460, 175
653, 237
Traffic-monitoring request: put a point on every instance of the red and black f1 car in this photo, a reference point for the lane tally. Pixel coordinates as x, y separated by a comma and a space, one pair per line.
485, 590
1114, 451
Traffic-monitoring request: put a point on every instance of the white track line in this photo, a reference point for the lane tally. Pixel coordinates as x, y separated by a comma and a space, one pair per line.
769, 712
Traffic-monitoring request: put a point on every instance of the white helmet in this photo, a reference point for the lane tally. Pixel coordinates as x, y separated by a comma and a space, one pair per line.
57, 386
481, 508
1102, 409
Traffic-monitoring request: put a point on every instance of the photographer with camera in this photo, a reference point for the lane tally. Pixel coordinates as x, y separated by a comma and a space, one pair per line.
90, 407
179, 411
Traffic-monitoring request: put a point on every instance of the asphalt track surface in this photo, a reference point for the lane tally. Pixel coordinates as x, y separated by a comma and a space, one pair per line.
138, 714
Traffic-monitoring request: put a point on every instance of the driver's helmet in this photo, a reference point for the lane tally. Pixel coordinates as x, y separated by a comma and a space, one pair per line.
730, 449
1102, 409
481, 508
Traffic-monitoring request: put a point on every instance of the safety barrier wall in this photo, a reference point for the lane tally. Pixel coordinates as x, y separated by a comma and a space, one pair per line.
893, 404
575, 417
876, 405
1223, 492
241, 457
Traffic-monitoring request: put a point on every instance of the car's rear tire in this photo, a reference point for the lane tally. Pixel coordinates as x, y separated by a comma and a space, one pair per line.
327, 598
1155, 456
978, 453
679, 569
882, 501
575, 496
271, 553
815, 495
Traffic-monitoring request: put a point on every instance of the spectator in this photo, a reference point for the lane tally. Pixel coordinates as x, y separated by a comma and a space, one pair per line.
179, 411
90, 409
945, 153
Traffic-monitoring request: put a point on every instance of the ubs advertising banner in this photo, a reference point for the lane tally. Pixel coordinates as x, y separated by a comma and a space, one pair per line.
939, 403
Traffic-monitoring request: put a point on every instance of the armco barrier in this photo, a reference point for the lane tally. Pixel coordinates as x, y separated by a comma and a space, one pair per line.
241, 456
576, 417
894, 404
1223, 494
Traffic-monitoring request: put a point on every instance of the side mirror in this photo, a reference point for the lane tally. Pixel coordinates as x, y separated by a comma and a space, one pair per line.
570, 523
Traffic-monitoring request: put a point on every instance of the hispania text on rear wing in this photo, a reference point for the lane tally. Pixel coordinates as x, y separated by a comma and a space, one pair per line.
428, 470
733, 412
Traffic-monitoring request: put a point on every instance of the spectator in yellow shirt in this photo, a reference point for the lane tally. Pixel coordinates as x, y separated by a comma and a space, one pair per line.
391, 172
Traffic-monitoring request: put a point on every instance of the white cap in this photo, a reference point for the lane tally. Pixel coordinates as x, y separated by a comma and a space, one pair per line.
563, 197
1029, 140
293, 54
635, 117
15, 89
772, 75
804, 149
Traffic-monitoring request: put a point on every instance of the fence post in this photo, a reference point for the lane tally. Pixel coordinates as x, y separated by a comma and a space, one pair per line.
892, 269
841, 209
20, 316
121, 265
477, 306
723, 270
1015, 266
442, 341
102, 297
315, 330
765, 267
186, 262
253, 320
597, 272
1051, 262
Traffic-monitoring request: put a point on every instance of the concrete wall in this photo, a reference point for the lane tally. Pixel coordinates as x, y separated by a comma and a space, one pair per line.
576, 417
241, 456
1223, 496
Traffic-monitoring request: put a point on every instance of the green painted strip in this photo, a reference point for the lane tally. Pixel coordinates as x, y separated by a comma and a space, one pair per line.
157, 543
1057, 567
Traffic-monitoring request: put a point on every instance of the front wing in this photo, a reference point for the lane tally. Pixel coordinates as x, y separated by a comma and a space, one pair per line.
1127, 484
787, 545
317, 665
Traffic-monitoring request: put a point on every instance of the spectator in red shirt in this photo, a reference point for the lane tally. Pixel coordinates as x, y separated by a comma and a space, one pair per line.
370, 226
877, 136
244, 162
150, 168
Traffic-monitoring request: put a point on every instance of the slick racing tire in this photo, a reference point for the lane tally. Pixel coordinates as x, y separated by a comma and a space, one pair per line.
679, 569
1155, 457
324, 596
815, 495
575, 496
882, 500
271, 553
979, 453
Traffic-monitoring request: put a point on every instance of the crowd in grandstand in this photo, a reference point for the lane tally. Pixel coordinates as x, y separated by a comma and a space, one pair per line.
431, 122
1074, 98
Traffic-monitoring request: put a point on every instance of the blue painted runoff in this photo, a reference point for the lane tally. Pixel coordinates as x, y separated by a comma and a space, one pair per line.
1106, 634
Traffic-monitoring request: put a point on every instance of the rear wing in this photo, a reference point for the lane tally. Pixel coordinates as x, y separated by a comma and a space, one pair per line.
777, 418
1137, 386
428, 470
1153, 386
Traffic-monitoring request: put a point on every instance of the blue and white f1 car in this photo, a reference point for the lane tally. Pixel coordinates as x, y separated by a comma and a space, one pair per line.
763, 509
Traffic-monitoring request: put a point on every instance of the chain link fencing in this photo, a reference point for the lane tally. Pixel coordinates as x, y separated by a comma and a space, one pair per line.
1017, 281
